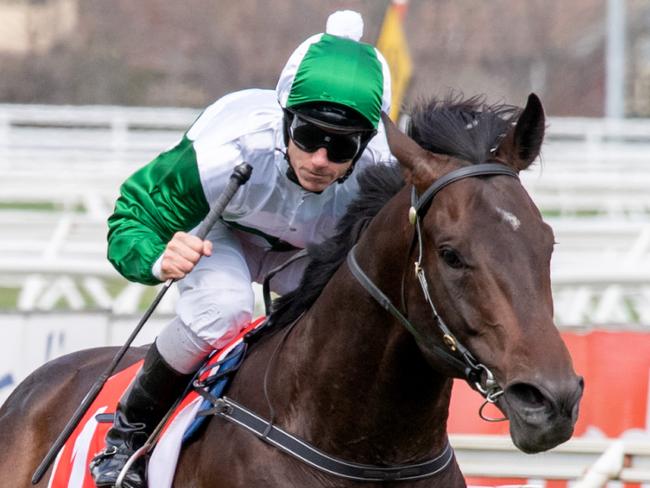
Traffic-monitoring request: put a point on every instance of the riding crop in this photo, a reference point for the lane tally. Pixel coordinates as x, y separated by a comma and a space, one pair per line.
239, 176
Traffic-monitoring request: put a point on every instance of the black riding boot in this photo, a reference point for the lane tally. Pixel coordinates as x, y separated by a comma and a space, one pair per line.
139, 411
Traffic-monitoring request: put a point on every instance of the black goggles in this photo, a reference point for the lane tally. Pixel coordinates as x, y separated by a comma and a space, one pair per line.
341, 147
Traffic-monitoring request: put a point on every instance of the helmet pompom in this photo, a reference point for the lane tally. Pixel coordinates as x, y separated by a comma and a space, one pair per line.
345, 23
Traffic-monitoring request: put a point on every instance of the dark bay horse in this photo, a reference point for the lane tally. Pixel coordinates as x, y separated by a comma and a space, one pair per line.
464, 291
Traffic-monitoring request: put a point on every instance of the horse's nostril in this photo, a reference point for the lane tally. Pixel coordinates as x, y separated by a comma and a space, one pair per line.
526, 394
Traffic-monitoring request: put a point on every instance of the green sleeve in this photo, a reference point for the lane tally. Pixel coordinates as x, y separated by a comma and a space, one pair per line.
158, 200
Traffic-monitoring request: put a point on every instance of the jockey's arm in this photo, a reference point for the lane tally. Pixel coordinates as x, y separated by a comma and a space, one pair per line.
157, 205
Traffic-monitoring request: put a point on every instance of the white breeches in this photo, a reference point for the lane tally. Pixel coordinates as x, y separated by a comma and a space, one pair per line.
216, 299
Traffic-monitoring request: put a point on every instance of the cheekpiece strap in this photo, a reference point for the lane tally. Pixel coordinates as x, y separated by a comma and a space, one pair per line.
385, 302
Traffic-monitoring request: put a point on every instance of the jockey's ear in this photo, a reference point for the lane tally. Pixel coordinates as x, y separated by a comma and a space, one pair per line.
420, 166
522, 143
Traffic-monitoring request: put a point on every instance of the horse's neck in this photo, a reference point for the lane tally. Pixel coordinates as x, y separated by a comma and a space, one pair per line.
355, 381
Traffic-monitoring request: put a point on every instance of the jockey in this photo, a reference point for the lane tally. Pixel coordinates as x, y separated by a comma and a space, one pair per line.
303, 141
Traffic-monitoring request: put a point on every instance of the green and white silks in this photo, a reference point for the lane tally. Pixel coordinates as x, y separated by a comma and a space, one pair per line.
172, 192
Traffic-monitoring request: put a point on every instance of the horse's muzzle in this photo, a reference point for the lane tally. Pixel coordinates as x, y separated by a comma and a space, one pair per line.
542, 415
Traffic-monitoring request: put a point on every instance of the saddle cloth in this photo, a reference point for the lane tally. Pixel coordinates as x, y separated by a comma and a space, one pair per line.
70, 468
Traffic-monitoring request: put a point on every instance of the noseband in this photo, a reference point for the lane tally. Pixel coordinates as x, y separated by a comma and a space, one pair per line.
455, 354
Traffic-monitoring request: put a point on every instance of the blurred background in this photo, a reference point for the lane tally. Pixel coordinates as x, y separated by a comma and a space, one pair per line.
159, 53
91, 90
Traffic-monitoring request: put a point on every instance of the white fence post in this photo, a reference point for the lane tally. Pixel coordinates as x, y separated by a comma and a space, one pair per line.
608, 467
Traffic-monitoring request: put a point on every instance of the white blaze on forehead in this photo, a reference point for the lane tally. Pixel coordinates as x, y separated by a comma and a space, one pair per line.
509, 217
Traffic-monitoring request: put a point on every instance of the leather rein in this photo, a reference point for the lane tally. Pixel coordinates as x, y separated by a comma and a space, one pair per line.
455, 354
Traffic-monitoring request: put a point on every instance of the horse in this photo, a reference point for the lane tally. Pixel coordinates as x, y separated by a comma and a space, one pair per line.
440, 270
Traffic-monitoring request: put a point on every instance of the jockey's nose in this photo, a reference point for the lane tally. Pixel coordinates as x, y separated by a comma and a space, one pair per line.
319, 157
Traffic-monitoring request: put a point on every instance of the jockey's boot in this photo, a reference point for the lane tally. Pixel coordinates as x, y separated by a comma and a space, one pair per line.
141, 408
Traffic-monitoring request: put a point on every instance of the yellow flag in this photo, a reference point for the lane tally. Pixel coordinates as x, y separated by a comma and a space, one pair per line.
392, 44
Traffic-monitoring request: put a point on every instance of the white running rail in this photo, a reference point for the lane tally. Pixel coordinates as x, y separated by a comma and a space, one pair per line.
591, 462
61, 167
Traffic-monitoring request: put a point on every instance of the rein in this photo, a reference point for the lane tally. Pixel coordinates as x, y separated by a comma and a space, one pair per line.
300, 449
267, 431
455, 354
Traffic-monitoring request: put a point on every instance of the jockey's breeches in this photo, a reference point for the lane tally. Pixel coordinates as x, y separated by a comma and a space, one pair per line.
216, 299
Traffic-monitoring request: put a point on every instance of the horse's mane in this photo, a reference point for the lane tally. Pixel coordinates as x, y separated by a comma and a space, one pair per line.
467, 129
377, 185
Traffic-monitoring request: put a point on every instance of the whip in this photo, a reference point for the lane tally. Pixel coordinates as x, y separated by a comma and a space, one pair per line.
239, 176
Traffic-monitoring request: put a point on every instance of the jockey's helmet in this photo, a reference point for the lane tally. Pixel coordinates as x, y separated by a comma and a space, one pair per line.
336, 82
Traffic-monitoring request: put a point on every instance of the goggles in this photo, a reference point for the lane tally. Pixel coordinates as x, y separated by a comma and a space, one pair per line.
341, 147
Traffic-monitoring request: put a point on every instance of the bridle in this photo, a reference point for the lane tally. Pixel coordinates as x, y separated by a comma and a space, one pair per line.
454, 354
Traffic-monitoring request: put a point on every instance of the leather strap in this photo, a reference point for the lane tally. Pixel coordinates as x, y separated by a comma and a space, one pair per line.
472, 369
298, 448
386, 303
484, 169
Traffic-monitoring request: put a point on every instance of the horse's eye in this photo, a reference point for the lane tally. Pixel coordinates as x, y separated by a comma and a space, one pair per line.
451, 258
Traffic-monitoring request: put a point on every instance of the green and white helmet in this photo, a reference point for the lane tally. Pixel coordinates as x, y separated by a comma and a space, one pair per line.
334, 78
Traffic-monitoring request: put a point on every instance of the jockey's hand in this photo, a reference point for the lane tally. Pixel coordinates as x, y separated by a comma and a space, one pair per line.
181, 255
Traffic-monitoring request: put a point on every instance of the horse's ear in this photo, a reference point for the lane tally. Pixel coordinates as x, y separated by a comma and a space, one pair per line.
523, 141
410, 155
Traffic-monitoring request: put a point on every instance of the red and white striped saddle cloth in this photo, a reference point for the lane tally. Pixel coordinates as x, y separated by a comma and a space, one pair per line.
71, 464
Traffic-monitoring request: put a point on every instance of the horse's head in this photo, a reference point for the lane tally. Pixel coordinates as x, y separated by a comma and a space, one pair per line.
486, 256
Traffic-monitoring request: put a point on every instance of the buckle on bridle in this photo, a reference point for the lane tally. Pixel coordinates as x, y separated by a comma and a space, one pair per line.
491, 386
413, 215
491, 390
449, 341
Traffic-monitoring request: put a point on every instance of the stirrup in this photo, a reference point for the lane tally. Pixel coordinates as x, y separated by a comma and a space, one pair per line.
134, 457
